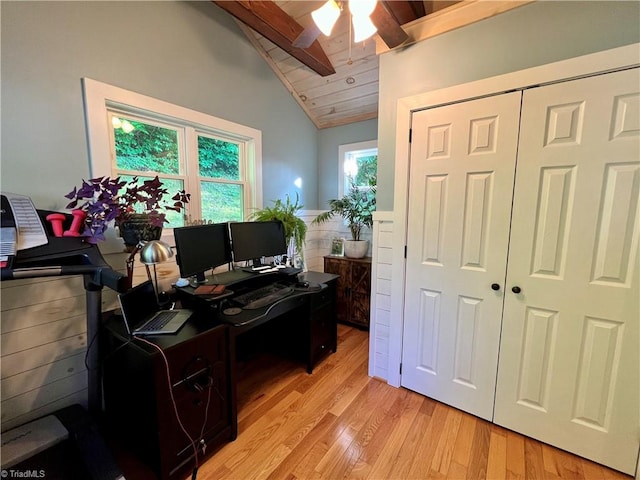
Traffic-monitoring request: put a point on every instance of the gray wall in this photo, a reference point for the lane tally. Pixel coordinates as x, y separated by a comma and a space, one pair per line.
536, 34
188, 53
329, 140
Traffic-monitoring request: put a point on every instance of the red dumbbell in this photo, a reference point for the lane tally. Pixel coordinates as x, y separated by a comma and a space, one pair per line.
78, 219
56, 220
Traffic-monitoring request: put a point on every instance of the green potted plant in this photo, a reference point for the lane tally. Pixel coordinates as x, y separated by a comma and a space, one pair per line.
357, 208
136, 207
295, 230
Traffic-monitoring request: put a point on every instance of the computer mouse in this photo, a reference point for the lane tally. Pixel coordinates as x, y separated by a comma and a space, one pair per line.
302, 284
232, 311
182, 282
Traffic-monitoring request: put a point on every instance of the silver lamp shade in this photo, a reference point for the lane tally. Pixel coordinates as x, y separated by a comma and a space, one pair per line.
152, 253
155, 251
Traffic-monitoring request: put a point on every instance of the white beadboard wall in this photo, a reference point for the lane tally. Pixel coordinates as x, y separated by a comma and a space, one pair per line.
381, 277
43, 330
43, 338
319, 237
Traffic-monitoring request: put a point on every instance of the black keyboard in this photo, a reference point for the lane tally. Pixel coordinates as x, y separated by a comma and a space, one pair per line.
263, 296
160, 320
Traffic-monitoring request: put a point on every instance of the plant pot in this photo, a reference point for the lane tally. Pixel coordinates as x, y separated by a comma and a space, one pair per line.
356, 248
138, 228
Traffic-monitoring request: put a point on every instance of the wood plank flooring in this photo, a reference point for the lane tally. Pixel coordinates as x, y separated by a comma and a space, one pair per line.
340, 423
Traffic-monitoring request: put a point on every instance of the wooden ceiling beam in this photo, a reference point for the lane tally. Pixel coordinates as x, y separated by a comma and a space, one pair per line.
388, 27
405, 11
273, 23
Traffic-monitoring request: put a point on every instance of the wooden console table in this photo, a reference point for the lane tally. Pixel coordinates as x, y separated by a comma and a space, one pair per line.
353, 289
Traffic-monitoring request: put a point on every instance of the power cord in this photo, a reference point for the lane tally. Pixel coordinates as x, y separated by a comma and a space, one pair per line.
86, 353
105, 357
209, 385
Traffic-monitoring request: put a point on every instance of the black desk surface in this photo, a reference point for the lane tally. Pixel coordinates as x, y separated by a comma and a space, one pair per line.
247, 319
200, 322
207, 318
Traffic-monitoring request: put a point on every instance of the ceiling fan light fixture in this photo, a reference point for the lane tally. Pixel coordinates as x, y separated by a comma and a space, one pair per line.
326, 16
362, 8
363, 28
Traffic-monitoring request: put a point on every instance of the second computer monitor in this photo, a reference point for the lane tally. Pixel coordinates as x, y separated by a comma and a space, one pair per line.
254, 240
201, 248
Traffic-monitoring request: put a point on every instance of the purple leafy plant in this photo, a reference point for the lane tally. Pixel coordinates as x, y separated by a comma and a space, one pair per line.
104, 201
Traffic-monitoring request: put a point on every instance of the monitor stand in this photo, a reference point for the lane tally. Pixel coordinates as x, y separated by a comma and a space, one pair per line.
198, 279
257, 262
231, 277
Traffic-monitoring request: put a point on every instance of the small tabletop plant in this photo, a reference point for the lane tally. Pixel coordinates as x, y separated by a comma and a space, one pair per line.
106, 200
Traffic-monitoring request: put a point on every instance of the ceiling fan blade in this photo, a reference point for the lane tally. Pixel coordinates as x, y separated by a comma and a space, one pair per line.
307, 37
388, 27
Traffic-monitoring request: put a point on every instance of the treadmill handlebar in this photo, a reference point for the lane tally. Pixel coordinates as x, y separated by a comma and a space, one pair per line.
102, 276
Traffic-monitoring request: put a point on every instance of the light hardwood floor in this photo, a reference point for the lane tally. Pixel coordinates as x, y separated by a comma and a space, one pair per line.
340, 423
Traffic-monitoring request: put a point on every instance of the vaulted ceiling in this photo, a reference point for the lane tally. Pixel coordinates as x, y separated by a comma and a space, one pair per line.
334, 80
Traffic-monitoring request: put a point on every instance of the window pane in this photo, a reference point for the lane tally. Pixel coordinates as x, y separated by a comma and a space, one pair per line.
144, 147
221, 202
360, 169
367, 169
173, 186
218, 159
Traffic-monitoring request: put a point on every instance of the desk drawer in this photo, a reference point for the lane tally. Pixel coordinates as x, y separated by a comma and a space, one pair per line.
323, 331
194, 408
322, 298
321, 334
200, 382
194, 354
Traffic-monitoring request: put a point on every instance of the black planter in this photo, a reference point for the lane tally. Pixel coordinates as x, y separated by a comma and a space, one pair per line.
138, 228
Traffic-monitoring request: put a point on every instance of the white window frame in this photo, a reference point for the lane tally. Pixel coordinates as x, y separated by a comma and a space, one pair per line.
345, 152
101, 98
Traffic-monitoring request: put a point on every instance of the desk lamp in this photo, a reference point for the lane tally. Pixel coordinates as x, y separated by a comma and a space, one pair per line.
152, 253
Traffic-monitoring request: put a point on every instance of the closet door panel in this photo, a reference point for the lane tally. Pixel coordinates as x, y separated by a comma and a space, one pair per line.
461, 184
568, 371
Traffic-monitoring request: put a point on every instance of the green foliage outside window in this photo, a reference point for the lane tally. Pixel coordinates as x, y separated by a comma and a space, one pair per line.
367, 170
147, 148
150, 148
221, 202
218, 159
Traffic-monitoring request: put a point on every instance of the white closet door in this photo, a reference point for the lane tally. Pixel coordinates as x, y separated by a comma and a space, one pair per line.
569, 364
460, 192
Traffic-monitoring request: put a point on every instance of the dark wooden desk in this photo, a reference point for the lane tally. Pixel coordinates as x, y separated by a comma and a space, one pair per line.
201, 361
303, 324
306, 319
139, 398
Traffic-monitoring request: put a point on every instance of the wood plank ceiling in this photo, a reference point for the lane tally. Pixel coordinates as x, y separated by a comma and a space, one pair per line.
334, 80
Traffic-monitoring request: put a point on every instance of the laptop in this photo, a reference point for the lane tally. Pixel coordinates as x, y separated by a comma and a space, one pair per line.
142, 315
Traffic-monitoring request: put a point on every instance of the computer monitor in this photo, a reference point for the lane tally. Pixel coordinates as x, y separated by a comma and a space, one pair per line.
254, 240
200, 248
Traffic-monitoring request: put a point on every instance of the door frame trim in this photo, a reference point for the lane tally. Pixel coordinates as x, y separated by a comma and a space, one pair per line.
593, 64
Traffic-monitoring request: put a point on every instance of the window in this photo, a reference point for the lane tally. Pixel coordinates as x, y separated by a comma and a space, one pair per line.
221, 185
144, 149
358, 164
218, 162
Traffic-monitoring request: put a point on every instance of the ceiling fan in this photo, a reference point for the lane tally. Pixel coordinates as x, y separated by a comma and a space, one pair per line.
270, 21
367, 18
